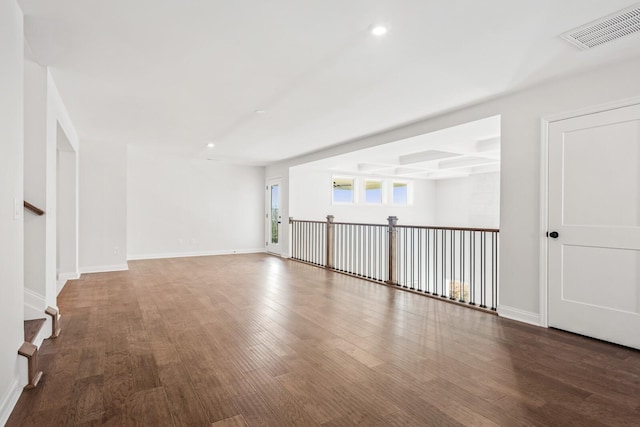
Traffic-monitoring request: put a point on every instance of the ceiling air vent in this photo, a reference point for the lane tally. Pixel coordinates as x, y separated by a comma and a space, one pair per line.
605, 30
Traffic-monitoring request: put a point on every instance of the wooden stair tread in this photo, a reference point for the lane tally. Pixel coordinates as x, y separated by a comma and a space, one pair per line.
31, 329
27, 349
30, 351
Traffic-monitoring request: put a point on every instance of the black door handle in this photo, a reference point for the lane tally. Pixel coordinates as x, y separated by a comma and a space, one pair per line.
553, 234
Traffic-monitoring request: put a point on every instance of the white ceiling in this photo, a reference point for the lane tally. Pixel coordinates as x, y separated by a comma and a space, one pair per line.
460, 151
176, 74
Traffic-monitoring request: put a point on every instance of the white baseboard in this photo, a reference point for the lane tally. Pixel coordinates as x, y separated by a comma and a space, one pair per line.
519, 315
104, 268
193, 254
282, 255
9, 400
62, 280
34, 305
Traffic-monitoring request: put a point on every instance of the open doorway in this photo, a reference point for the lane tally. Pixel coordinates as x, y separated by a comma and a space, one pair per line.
448, 178
422, 213
66, 211
273, 216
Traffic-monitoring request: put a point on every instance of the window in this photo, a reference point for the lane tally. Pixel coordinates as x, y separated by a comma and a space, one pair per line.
370, 191
342, 190
373, 191
400, 193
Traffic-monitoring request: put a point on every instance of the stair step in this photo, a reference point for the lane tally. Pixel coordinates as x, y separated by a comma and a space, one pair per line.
30, 351
32, 340
31, 329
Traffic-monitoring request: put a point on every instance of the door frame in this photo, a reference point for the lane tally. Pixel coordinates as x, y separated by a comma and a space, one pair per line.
544, 191
267, 209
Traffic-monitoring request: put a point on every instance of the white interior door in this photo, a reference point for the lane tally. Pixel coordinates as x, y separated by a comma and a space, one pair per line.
273, 216
594, 207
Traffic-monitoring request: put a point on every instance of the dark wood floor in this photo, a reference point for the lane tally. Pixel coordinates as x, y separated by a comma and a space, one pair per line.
258, 340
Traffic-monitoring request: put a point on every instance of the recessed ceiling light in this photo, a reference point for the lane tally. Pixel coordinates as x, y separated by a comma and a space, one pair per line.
211, 145
260, 112
379, 30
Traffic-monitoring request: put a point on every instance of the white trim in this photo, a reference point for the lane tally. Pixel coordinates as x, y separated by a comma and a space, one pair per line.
104, 268
73, 275
194, 254
34, 308
283, 255
544, 222
34, 300
519, 315
63, 278
34, 305
9, 401
544, 189
593, 109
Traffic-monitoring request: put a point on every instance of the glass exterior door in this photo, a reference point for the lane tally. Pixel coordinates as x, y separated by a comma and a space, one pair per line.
273, 216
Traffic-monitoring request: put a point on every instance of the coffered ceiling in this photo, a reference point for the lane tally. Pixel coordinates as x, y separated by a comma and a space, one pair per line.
456, 152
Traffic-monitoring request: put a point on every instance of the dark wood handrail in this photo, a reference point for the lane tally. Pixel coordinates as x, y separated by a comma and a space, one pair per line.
361, 223
33, 209
430, 227
424, 227
340, 223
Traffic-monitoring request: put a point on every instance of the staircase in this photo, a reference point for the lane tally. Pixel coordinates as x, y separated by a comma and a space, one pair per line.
34, 328
34, 335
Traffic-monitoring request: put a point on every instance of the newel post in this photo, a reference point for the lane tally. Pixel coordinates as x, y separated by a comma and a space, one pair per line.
292, 238
392, 278
329, 241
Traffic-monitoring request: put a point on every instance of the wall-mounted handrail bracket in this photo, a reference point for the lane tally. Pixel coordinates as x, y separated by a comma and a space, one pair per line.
33, 209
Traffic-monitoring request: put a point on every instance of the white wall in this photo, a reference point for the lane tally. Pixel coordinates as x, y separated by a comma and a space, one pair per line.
472, 201
47, 126
60, 133
11, 192
311, 199
521, 234
181, 207
103, 207
67, 217
35, 187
